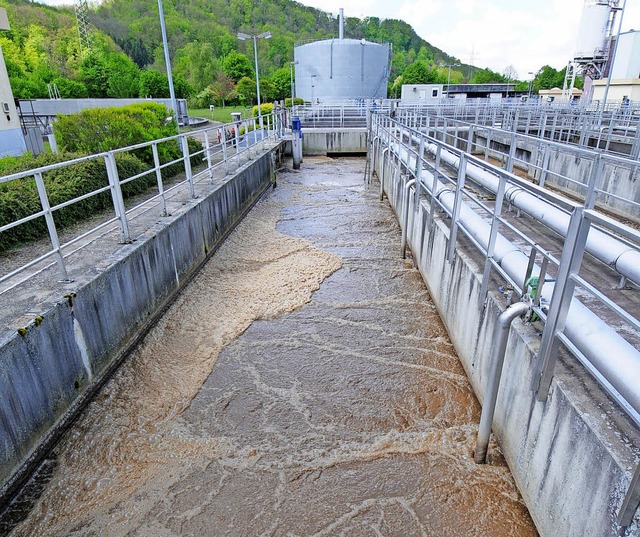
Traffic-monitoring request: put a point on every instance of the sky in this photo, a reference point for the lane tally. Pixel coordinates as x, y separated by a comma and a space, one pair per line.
525, 34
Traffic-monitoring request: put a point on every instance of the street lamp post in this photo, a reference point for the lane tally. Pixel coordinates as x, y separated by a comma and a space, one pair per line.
293, 93
243, 37
167, 60
531, 83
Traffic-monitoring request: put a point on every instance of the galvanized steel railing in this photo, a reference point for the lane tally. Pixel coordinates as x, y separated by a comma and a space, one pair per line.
584, 126
535, 156
341, 114
223, 145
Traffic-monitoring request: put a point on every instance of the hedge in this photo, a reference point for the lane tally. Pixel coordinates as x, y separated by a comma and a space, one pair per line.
88, 132
265, 108
19, 198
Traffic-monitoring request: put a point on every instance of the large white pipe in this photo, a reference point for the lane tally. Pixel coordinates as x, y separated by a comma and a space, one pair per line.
341, 24
624, 259
615, 358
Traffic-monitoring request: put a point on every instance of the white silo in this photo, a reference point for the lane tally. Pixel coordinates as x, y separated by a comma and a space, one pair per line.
592, 32
592, 46
341, 68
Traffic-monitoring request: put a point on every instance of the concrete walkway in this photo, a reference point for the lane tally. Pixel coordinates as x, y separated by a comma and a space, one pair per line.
258, 408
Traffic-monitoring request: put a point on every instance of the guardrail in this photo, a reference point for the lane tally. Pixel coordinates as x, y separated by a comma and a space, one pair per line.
438, 174
223, 145
536, 156
338, 115
583, 126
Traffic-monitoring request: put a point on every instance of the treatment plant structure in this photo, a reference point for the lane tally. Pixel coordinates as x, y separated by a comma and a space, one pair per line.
335, 69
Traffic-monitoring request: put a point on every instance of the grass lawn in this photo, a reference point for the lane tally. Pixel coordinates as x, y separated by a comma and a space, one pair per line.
219, 113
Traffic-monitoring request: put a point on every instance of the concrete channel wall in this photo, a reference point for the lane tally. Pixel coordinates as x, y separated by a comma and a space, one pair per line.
618, 181
49, 371
572, 456
334, 141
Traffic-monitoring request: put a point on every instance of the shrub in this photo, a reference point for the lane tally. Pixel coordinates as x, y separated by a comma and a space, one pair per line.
297, 101
19, 198
90, 131
101, 129
265, 108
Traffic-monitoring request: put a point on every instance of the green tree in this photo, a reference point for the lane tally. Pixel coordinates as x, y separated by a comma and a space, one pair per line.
124, 77
223, 89
197, 64
419, 73
487, 76
153, 84
237, 66
281, 80
547, 78
70, 89
246, 89
94, 74
267, 91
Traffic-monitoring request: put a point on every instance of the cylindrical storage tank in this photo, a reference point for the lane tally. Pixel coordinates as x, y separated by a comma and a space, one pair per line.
341, 69
593, 29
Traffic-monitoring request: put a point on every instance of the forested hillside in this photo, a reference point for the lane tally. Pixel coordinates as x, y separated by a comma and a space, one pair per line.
210, 65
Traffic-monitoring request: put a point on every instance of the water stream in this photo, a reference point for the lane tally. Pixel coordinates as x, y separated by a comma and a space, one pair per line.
303, 384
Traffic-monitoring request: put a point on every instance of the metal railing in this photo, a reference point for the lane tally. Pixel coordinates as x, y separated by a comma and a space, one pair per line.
223, 146
614, 129
598, 178
416, 160
341, 115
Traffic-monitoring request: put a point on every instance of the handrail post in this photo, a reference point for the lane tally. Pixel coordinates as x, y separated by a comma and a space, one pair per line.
208, 154
156, 162
453, 230
561, 297
223, 142
116, 196
51, 226
187, 165
493, 234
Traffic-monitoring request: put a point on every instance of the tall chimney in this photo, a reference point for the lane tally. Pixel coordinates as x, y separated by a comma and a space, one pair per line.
341, 23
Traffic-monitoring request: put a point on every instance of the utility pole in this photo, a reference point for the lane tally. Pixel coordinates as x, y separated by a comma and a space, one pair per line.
82, 20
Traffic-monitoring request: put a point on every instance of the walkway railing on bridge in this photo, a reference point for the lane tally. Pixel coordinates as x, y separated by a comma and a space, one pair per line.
224, 146
614, 129
600, 179
601, 329
349, 114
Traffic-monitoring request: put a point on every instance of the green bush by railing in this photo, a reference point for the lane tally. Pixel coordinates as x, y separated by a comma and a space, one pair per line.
101, 129
19, 198
265, 108
297, 101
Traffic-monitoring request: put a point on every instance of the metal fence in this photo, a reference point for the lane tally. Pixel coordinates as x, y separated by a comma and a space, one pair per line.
601, 332
598, 177
223, 146
613, 129
341, 114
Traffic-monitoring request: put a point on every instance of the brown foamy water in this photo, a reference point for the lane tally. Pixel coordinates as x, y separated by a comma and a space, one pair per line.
348, 414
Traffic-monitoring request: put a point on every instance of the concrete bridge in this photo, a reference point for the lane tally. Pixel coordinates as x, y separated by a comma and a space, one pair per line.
297, 374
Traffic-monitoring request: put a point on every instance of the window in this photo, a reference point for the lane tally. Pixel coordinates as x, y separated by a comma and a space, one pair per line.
434, 93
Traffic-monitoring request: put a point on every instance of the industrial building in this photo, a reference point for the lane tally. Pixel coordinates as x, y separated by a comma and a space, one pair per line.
604, 53
334, 69
11, 138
